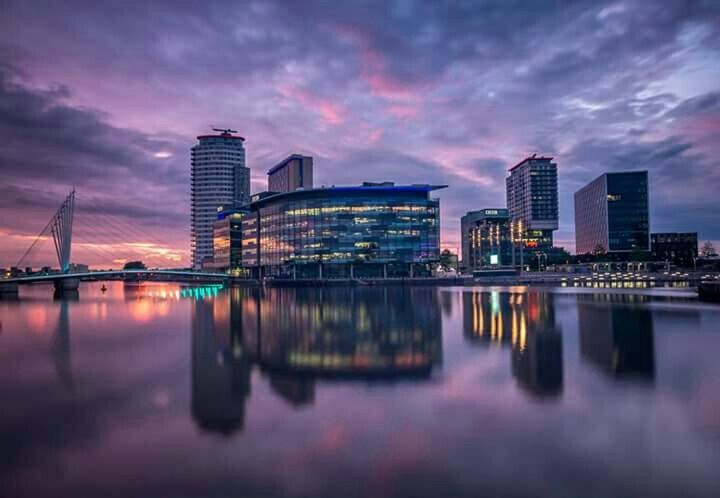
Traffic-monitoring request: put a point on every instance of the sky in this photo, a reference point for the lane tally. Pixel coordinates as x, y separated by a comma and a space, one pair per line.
108, 97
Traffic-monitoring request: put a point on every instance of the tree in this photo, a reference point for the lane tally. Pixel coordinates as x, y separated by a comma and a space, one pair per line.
134, 265
708, 250
448, 260
599, 250
558, 256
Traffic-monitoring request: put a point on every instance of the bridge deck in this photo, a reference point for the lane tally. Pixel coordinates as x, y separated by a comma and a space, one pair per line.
111, 274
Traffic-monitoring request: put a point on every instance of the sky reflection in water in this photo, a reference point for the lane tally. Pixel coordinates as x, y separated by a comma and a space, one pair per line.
161, 391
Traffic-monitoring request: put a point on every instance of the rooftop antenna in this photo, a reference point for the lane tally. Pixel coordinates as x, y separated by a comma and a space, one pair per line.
225, 131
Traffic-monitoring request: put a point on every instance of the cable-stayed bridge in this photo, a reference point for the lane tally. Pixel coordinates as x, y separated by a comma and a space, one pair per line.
107, 238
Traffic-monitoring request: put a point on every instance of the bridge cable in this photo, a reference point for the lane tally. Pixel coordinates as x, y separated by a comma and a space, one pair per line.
38, 238
126, 227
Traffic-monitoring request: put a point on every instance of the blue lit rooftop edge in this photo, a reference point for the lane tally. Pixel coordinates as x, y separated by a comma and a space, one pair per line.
355, 188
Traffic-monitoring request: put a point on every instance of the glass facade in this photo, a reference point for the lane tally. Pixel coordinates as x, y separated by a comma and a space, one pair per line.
366, 224
628, 220
611, 214
227, 241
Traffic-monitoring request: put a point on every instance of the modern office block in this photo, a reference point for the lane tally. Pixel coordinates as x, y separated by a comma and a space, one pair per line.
486, 239
342, 228
611, 214
292, 173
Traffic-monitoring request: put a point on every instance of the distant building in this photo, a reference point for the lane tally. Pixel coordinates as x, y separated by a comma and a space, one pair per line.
467, 223
486, 240
532, 199
612, 215
218, 177
227, 238
292, 173
678, 248
372, 230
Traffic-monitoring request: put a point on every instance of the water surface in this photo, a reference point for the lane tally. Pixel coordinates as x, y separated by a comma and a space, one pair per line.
159, 390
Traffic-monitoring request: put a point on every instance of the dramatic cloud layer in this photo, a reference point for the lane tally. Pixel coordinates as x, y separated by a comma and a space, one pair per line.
108, 97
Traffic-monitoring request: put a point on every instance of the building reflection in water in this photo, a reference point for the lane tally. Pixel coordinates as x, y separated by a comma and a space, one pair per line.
220, 367
617, 339
525, 322
298, 336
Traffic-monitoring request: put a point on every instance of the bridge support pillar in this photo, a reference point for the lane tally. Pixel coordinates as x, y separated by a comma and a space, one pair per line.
8, 290
67, 285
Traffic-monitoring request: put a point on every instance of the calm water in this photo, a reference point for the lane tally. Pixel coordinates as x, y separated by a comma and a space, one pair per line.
371, 392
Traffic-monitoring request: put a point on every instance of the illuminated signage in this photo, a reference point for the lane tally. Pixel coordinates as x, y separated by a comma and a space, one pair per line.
494, 259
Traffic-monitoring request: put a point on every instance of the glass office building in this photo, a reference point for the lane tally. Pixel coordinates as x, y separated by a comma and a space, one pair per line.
611, 214
376, 229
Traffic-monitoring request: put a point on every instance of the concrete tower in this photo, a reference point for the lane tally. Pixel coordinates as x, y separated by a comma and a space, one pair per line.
218, 177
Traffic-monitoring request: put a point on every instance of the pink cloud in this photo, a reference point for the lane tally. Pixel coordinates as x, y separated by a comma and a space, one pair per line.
382, 84
373, 67
331, 112
375, 135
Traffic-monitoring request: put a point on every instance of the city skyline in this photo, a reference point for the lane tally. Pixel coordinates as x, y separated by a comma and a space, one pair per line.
419, 95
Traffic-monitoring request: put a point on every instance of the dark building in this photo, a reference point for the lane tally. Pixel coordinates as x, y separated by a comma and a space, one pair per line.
292, 173
368, 230
486, 239
679, 248
467, 223
532, 200
612, 215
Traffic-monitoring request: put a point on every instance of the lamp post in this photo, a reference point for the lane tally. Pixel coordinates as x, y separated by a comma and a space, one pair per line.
522, 246
512, 241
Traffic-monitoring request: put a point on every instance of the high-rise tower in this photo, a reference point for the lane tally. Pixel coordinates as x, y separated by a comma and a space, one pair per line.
219, 177
532, 200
